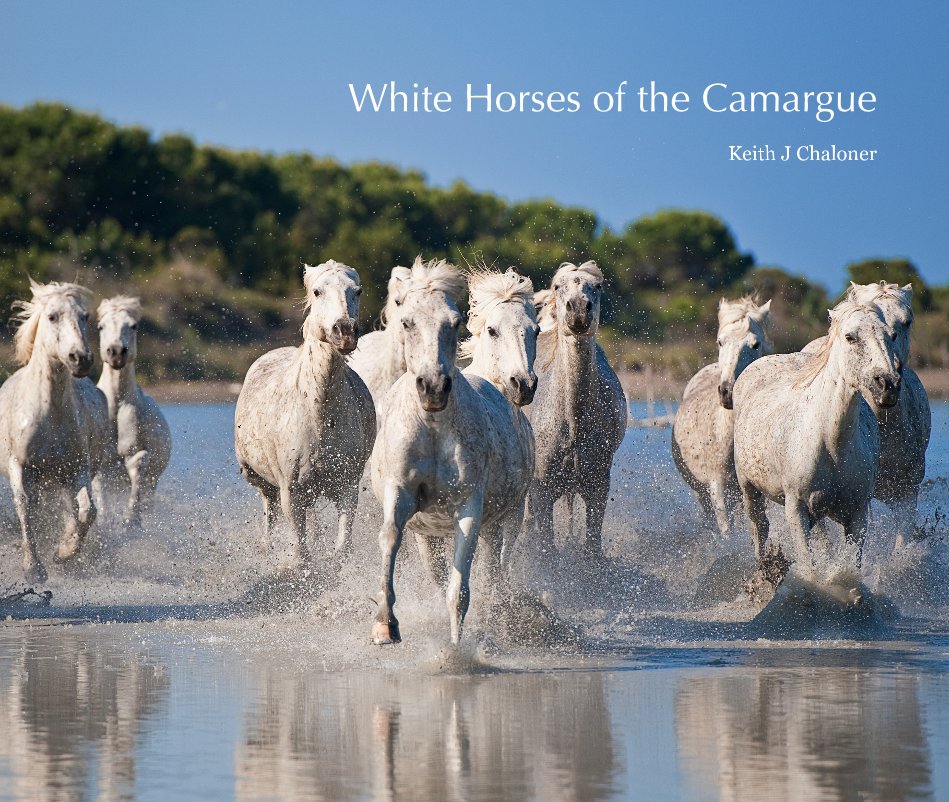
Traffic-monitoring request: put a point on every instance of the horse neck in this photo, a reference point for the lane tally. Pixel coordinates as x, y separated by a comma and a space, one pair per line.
395, 353
49, 382
575, 364
837, 403
118, 385
317, 362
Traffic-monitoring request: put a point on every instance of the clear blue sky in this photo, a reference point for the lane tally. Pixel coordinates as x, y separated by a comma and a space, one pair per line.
275, 77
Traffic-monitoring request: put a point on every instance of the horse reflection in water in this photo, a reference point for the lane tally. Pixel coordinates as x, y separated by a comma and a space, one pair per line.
509, 737
776, 735
56, 714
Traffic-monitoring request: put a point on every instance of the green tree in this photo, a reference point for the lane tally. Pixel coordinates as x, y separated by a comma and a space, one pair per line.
896, 271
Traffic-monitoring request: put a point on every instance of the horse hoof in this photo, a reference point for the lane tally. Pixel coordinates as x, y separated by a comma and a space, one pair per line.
35, 573
385, 633
66, 551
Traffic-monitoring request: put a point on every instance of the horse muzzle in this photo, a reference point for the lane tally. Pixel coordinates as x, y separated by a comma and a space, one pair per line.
522, 390
885, 390
345, 335
726, 395
80, 363
116, 356
433, 393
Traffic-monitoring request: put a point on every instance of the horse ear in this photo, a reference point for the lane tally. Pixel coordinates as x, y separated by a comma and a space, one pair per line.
908, 288
722, 302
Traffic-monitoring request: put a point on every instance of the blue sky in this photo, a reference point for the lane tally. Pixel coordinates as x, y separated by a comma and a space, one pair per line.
276, 79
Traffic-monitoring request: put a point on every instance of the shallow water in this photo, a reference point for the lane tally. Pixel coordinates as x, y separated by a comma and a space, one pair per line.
171, 665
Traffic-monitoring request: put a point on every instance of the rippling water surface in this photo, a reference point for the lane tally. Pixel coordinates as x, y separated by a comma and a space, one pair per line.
171, 663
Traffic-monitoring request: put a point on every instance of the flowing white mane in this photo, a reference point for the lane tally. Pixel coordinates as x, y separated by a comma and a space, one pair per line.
882, 291
589, 268
120, 303
742, 312
27, 319
486, 290
436, 276
312, 272
811, 369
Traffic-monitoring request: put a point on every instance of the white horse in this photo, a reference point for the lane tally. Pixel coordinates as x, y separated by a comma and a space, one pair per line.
379, 358
579, 412
305, 422
140, 437
545, 307
805, 437
53, 421
703, 432
905, 428
447, 462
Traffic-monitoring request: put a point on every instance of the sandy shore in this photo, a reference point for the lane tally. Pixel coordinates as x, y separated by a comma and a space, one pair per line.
638, 385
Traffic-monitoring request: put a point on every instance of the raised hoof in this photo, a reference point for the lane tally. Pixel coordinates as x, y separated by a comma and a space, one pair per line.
67, 549
34, 573
385, 633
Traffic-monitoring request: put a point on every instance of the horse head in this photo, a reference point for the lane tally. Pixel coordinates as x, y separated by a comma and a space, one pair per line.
332, 301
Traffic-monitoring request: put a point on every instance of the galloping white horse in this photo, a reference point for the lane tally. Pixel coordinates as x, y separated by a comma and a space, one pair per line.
905, 428
579, 412
140, 437
379, 358
305, 423
53, 421
805, 437
445, 463
703, 432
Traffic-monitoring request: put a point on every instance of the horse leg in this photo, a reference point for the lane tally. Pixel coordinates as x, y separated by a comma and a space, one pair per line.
398, 506
82, 514
799, 522
346, 507
25, 499
855, 530
716, 491
136, 466
704, 499
293, 502
432, 551
755, 509
467, 527
904, 509
595, 497
539, 514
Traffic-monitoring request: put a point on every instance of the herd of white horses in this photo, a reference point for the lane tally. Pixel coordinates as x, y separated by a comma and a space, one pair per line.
475, 440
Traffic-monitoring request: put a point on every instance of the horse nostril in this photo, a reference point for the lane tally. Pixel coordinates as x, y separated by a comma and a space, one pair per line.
446, 384
420, 383
589, 305
533, 383
514, 382
569, 305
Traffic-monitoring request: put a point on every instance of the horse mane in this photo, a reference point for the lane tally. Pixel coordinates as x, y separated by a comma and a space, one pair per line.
588, 267
120, 303
880, 291
395, 292
812, 368
312, 272
437, 275
743, 311
27, 318
545, 301
486, 289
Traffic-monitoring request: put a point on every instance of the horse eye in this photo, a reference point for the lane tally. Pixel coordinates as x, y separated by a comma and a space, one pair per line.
316, 293
492, 332
721, 343
407, 324
851, 337
53, 317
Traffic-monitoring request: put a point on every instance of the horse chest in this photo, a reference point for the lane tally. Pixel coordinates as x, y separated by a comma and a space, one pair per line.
50, 444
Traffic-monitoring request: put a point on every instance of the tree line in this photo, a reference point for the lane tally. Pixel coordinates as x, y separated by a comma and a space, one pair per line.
214, 239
